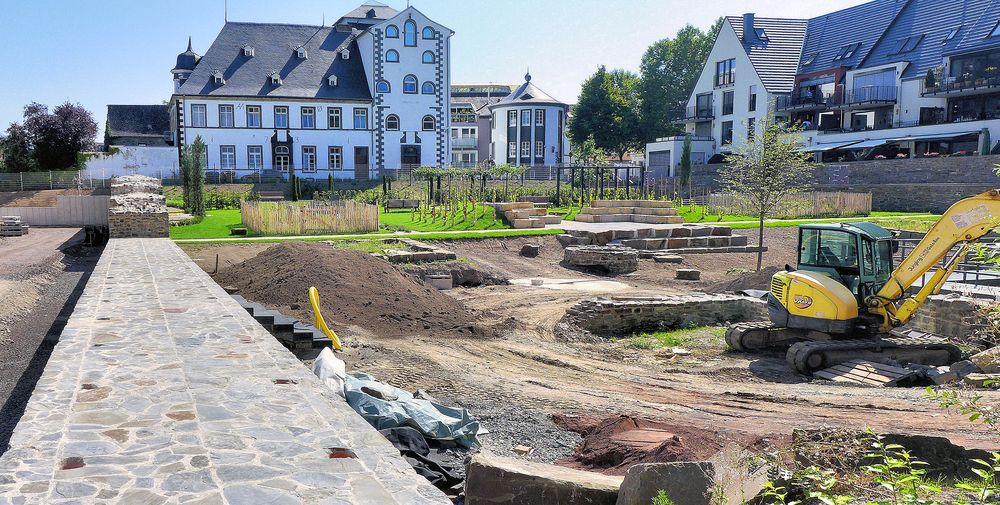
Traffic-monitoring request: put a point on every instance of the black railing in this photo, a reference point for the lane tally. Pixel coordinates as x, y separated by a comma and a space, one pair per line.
868, 95
956, 84
706, 113
802, 101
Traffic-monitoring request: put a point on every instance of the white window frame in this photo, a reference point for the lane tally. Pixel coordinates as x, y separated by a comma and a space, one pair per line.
526, 117
255, 158
539, 149
539, 117
334, 118
307, 112
512, 149
227, 110
525, 148
280, 111
511, 118
254, 111
423, 123
390, 128
225, 152
199, 115
360, 113
335, 156
309, 159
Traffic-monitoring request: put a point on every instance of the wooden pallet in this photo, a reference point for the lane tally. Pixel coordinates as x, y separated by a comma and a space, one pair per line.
869, 373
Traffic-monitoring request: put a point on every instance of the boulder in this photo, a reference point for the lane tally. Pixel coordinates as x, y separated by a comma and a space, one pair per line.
492, 480
964, 368
530, 250
688, 274
982, 380
566, 239
728, 478
988, 361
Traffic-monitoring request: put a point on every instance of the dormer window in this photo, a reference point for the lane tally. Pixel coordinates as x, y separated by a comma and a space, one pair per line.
301, 53
332, 81
995, 32
761, 34
248, 51
345, 54
810, 58
847, 51
218, 78
951, 34
275, 78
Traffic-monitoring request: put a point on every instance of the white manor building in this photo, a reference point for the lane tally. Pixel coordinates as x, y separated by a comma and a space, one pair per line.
368, 94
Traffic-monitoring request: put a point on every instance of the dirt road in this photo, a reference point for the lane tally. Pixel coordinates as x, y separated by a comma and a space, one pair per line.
41, 276
518, 379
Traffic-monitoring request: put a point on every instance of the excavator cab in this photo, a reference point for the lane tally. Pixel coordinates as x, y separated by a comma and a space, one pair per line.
857, 255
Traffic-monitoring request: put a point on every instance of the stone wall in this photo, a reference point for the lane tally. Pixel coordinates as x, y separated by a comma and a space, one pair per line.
138, 208
624, 316
952, 316
910, 185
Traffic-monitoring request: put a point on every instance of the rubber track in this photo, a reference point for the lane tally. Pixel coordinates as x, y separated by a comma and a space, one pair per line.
735, 333
799, 353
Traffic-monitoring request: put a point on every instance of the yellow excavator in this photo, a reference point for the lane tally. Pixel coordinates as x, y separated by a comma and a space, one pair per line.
844, 300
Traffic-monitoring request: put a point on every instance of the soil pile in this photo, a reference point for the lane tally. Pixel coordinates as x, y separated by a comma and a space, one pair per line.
613, 444
749, 280
356, 290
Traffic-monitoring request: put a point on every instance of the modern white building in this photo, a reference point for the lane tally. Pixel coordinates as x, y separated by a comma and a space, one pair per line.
884, 79
370, 93
752, 62
528, 127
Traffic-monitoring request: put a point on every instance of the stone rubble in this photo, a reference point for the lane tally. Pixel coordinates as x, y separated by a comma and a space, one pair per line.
623, 316
614, 259
137, 208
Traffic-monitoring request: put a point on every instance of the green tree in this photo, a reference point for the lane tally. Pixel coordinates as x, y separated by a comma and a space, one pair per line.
292, 182
15, 150
686, 161
669, 69
588, 153
608, 111
197, 178
58, 137
767, 168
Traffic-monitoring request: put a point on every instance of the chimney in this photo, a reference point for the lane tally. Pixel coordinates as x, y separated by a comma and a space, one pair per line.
749, 33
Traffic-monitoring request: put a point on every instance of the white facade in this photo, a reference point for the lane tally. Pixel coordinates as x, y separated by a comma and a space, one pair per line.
405, 124
537, 137
153, 161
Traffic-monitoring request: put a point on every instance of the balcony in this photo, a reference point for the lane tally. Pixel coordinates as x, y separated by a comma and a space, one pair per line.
866, 97
956, 86
697, 114
803, 102
463, 118
465, 143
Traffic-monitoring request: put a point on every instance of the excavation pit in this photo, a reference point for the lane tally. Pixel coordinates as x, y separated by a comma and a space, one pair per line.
613, 260
623, 316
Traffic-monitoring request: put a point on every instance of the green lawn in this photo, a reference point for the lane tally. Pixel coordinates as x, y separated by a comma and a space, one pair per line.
406, 220
697, 337
441, 235
215, 224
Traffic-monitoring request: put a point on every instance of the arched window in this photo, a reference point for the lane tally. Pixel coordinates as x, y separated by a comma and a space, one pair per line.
410, 84
383, 87
428, 57
428, 33
392, 32
281, 150
392, 122
410, 34
428, 123
392, 56
427, 88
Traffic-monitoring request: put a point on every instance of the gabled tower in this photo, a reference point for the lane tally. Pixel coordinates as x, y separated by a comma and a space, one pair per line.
186, 62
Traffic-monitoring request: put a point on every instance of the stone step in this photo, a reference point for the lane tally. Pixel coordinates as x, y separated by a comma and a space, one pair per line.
509, 206
521, 224
640, 218
553, 219
537, 211
517, 214
692, 242
632, 203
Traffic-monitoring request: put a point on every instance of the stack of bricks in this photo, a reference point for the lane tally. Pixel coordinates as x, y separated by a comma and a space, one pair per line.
11, 226
630, 211
624, 316
138, 208
522, 215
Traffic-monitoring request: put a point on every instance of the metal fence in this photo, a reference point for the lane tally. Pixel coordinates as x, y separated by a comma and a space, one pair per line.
34, 181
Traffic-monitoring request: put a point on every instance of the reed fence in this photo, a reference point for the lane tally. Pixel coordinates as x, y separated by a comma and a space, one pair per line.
283, 218
810, 204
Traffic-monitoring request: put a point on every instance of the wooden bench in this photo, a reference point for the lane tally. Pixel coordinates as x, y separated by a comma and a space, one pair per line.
540, 201
402, 203
271, 196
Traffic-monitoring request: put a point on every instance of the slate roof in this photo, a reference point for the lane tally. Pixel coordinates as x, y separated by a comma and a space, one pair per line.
138, 120
274, 50
480, 96
775, 59
528, 93
827, 34
381, 10
980, 17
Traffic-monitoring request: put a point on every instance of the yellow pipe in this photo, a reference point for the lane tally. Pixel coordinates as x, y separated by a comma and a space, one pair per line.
320, 322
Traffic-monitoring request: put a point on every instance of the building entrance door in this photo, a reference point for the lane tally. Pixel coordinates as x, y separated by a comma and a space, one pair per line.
410, 155
361, 163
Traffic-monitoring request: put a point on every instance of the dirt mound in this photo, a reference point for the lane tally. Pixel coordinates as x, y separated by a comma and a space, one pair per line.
355, 289
613, 444
747, 280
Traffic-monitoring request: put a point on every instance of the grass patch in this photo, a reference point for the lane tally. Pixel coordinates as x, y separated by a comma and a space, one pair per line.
700, 336
365, 246
403, 219
215, 224
922, 225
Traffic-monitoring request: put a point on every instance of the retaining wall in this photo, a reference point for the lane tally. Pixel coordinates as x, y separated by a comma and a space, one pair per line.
69, 211
624, 316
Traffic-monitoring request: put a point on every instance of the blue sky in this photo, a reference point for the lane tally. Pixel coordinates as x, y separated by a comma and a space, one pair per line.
100, 52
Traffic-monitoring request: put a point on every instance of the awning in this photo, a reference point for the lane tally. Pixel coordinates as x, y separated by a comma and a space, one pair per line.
867, 144
935, 136
819, 148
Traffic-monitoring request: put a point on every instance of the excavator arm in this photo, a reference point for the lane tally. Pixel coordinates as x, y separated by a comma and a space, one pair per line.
963, 224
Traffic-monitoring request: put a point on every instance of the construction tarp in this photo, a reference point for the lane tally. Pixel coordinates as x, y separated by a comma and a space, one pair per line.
386, 407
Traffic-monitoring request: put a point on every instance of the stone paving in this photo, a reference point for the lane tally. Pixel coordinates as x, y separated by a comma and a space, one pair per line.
163, 390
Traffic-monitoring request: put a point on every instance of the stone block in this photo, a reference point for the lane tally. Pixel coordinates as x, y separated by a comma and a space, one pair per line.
492, 480
441, 282
698, 242
615, 260
530, 250
680, 231
988, 361
964, 368
686, 483
688, 274
721, 231
663, 258
566, 239
537, 223
585, 218
678, 243
718, 241
553, 219
520, 223
981, 380
701, 231
738, 241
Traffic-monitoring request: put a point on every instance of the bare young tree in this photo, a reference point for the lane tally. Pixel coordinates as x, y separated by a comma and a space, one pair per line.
765, 168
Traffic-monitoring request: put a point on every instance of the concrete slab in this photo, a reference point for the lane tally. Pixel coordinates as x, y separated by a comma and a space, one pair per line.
163, 389
587, 285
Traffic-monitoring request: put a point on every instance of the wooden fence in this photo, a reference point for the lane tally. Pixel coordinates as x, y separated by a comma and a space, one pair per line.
69, 211
812, 204
283, 218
